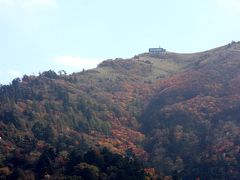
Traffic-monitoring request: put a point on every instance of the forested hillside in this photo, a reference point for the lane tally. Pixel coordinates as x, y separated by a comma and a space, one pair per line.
169, 114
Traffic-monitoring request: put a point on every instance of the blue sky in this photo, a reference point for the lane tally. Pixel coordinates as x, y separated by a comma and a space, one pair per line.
38, 35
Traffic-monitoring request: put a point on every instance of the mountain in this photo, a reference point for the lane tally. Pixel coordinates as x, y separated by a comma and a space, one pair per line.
177, 113
192, 125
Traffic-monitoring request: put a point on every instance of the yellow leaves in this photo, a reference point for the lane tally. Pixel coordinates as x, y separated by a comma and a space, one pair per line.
5, 171
123, 138
20, 106
151, 171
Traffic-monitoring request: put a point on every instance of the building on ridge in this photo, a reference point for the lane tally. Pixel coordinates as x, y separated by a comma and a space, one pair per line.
156, 50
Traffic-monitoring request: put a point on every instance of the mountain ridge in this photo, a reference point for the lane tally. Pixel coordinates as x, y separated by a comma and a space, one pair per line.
161, 108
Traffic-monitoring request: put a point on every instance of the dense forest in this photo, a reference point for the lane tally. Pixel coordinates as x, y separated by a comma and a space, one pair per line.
164, 116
